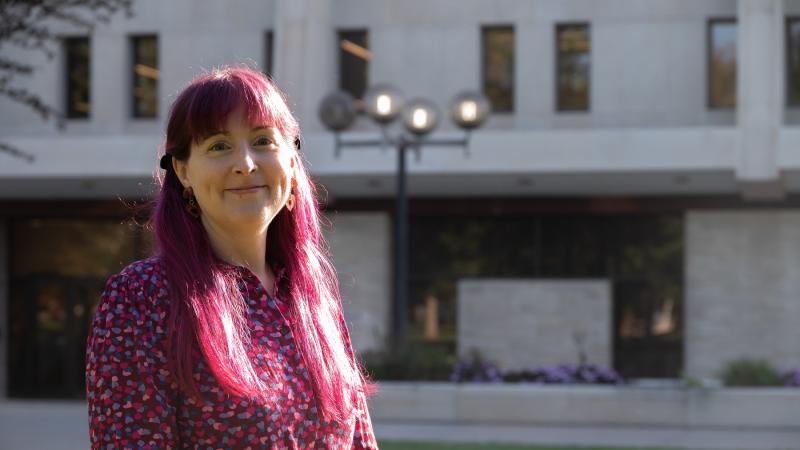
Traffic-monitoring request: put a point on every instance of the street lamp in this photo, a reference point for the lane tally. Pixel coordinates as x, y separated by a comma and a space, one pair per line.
384, 104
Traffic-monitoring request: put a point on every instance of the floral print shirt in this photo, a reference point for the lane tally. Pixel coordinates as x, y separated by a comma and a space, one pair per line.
134, 401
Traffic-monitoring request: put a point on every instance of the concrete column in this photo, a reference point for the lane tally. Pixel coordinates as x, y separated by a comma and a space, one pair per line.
4, 325
522, 323
742, 274
363, 265
111, 82
760, 91
305, 56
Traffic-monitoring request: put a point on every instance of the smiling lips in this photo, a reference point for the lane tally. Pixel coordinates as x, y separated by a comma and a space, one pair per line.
246, 189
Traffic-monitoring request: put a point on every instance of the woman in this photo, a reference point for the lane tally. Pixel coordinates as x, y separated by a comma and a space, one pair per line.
233, 335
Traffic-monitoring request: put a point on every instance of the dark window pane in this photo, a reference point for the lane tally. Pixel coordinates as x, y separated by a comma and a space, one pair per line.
58, 270
640, 255
573, 247
793, 62
268, 52
78, 82
722, 63
145, 76
354, 56
498, 67
574, 64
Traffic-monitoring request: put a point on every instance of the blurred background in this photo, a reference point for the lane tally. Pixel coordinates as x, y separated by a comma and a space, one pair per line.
612, 259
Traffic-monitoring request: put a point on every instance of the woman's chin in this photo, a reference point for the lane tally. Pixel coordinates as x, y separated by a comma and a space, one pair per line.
256, 216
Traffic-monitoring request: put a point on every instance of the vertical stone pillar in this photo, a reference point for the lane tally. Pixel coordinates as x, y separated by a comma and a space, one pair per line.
364, 273
305, 56
760, 93
110, 89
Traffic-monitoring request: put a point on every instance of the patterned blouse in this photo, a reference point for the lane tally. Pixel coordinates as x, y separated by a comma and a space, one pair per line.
134, 401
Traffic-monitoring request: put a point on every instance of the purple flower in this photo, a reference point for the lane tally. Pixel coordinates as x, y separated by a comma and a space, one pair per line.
792, 377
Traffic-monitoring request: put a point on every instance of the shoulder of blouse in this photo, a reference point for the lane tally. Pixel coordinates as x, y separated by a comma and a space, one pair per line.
142, 280
132, 307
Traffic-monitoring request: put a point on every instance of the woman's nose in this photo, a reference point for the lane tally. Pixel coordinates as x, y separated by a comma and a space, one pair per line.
245, 163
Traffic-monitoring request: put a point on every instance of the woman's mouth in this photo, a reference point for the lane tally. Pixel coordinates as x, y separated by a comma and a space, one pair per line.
246, 189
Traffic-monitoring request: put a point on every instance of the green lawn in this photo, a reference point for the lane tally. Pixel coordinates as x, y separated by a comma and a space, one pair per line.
407, 445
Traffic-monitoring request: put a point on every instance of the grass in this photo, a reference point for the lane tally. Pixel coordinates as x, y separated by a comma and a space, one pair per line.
408, 445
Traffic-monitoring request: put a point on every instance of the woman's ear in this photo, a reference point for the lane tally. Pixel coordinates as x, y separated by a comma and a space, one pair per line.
180, 170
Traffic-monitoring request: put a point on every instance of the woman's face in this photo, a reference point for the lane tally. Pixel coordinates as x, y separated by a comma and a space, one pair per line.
241, 176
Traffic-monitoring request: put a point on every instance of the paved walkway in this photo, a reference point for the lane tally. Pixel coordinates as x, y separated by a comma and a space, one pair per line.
595, 436
46, 425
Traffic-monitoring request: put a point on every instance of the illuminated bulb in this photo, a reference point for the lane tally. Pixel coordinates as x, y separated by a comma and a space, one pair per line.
469, 111
384, 104
420, 118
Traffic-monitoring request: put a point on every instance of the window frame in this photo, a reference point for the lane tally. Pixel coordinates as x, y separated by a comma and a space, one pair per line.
484, 65
132, 42
557, 78
68, 63
340, 52
269, 53
709, 52
787, 47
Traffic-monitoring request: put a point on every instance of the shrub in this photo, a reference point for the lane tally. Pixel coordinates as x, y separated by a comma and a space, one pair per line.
476, 369
792, 377
750, 372
566, 374
413, 361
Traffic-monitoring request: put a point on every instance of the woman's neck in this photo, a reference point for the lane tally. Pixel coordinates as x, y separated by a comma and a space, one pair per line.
242, 247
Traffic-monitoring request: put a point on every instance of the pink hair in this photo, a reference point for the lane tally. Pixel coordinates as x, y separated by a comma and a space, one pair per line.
207, 299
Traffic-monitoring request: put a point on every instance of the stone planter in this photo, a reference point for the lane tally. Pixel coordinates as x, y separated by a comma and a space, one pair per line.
527, 404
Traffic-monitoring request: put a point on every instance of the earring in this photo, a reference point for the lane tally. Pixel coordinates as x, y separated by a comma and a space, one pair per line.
290, 201
190, 203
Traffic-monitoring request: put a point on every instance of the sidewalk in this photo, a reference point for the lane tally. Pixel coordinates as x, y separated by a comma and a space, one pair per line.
46, 425
591, 436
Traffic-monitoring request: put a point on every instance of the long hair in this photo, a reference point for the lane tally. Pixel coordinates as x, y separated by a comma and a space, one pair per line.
207, 308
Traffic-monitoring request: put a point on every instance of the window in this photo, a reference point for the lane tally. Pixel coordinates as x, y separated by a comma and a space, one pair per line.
354, 56
78, 76
640, 254
57, 270
145, 76
268, 52
573, 66
498, 67
793, 61
722, 63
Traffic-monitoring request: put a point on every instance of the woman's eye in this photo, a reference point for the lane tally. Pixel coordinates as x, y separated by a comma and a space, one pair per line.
219, 146
263, 141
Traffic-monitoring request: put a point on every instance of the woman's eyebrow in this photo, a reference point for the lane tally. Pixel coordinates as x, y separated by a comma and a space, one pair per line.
263, 128
225, 133
211, 134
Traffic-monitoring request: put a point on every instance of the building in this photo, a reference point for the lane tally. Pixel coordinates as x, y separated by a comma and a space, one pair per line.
634, 191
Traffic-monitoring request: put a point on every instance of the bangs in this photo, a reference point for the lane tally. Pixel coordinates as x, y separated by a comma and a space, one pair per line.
212, 98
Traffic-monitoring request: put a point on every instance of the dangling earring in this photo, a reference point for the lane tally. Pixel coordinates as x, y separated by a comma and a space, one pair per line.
190, 203
290, 201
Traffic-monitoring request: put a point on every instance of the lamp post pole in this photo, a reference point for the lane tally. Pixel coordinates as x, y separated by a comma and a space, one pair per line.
401, 249
384, 104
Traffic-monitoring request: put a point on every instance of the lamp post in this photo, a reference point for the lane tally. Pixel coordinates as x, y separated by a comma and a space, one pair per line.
384, 105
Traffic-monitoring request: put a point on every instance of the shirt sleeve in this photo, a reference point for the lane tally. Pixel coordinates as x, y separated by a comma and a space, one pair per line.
363, 436
128, 387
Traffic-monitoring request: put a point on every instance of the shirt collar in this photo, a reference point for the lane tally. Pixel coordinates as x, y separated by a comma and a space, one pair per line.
277, 269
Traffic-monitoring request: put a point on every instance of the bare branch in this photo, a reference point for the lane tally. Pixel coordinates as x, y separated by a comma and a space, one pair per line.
17, 68
14, 151
26, 24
